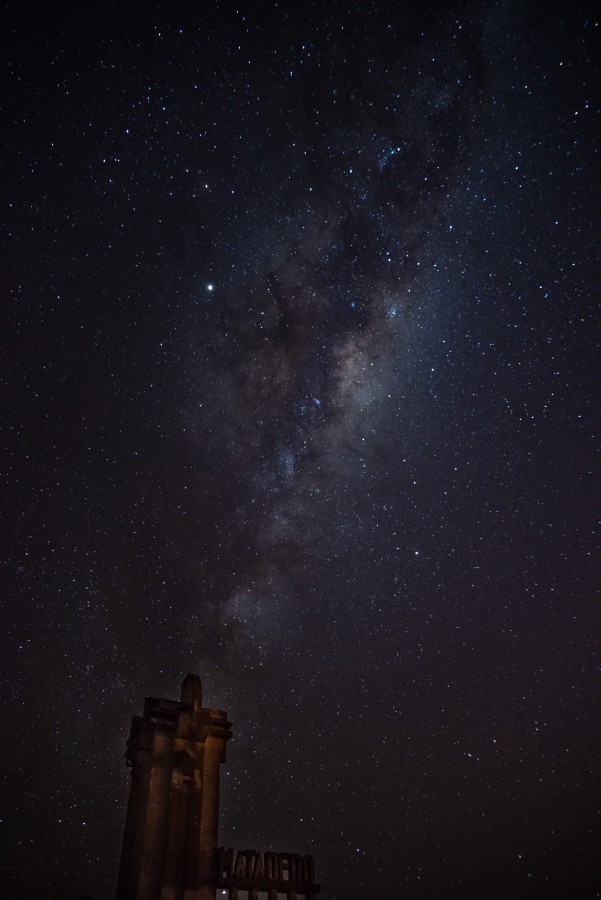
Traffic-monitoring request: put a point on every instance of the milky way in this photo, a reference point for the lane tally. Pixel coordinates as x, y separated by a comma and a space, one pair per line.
301, 368
315, 313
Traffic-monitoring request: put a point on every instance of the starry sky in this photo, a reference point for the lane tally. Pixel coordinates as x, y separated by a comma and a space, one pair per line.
300, 393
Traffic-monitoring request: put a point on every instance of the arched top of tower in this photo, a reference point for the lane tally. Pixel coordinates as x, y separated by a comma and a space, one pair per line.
192, 691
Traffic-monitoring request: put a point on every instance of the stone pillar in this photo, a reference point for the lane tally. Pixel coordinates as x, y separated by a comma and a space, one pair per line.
170, 841
214, 755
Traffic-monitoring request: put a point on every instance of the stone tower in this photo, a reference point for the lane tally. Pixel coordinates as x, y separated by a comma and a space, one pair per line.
170, 841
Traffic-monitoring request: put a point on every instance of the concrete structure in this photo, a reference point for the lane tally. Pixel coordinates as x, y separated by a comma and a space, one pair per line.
170, 841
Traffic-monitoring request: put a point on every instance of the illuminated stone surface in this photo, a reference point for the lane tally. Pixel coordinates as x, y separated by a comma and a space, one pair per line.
170, 841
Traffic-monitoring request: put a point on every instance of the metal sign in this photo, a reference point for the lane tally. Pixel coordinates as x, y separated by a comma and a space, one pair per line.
274, 873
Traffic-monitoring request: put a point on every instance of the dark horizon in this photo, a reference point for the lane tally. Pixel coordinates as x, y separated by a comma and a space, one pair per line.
301, 371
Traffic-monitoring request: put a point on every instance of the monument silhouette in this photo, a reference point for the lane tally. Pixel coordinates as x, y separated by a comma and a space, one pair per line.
170, 844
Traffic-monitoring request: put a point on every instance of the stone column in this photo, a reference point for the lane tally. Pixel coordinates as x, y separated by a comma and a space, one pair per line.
217, 733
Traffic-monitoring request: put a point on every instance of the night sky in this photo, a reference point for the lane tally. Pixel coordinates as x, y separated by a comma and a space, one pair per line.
300, 393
